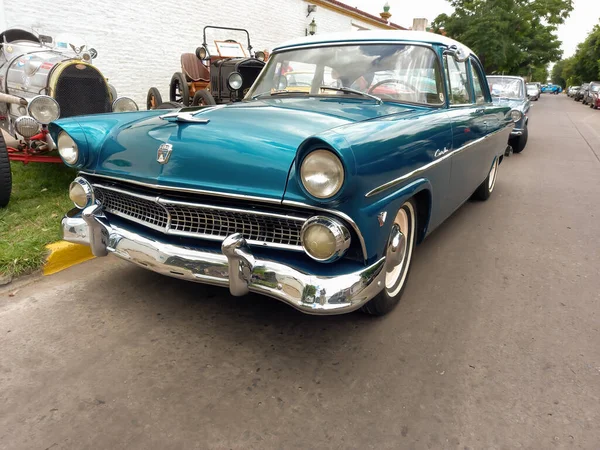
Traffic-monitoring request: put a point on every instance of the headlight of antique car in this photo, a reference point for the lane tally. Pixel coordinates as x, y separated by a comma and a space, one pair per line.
260, 55
44, 109
234, 81
81, 193
202, 53
27, 126
515, 115
124, 104
67, 148
324, 239
322, 174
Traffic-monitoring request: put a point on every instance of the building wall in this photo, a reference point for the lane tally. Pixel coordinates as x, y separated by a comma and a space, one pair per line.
139, 42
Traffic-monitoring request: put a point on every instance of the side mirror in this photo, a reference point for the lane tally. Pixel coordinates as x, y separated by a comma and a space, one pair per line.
45, 39
458, 53
93, 53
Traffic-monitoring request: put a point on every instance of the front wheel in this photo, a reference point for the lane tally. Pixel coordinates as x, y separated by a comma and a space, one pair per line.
203, 98
153, 99
398, 257
518, 143
179, 91
5, 175
486, 188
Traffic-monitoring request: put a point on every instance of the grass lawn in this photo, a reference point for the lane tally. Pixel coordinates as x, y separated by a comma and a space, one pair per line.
32, 218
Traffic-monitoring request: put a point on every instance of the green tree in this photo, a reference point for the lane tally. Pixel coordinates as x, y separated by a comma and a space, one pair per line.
540, 74
583, 66
558, 72
510, 36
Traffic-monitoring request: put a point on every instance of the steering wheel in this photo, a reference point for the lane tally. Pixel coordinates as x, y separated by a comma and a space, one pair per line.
390, 81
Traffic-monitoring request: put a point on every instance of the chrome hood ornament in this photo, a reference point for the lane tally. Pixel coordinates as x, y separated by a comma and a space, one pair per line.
164, 153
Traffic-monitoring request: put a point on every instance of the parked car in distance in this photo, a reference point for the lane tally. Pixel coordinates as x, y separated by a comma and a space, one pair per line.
552, 89
587, 95
510, 91
41, 79
316, 198
572, 91
216, 73
581, 92
533, 93
594, 101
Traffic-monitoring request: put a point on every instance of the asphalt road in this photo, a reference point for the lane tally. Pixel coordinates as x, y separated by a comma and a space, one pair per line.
495, 345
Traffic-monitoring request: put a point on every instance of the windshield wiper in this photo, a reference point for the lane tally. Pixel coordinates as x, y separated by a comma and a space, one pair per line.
353, 91
279, 92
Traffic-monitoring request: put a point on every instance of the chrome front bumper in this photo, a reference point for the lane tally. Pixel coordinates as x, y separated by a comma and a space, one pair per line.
235, 267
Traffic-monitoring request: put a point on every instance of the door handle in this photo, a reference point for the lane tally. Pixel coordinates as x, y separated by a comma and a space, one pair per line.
479, 111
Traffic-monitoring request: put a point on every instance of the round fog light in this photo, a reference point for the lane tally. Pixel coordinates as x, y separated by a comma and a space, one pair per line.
81, 193
324, 239
27, 126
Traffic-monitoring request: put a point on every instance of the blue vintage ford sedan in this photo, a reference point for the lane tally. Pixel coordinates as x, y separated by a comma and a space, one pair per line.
314, 192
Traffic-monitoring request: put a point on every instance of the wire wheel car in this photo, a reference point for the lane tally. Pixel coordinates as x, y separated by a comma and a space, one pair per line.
153, 99
398, 255
179, 90
5, 175
203, 98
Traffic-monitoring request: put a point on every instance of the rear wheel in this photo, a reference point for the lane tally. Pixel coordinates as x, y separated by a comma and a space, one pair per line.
518, 143
179, 90
153, 99
400, 245
203, 98
5, 175
486, 188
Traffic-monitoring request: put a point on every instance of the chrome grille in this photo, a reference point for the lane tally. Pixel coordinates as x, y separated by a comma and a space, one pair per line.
136, 208
200, 220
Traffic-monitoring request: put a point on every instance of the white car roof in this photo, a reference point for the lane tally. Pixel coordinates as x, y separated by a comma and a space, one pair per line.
384, 35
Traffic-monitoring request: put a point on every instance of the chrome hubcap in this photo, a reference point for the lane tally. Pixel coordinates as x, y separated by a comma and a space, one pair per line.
399, 249
492, 178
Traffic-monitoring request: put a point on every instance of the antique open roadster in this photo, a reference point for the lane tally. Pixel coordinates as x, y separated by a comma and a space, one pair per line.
219, 72
316, 197
42, 79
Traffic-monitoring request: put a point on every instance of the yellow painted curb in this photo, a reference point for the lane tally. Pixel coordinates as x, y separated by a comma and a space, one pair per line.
65, 254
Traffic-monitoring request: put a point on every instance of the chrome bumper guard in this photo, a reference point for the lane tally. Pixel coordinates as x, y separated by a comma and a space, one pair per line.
515, 132
235, 267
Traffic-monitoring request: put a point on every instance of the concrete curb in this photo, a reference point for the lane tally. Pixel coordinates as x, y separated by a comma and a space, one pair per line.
64, 255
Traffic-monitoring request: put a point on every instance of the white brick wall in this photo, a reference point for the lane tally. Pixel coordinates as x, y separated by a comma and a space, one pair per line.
139, 42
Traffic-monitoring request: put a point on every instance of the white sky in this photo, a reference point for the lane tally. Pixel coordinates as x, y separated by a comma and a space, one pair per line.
581, 21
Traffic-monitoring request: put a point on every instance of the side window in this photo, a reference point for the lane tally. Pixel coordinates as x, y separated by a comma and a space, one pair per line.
478, 85
458, 80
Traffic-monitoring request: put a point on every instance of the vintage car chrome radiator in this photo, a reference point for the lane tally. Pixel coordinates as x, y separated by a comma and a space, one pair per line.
81, 89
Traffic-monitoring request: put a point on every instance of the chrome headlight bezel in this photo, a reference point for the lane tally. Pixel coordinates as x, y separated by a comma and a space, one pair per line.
67, 148
49, 102
235, 81
310, 178
515, 115
260, 55
86, 190
27, 126
124, 104
339, 235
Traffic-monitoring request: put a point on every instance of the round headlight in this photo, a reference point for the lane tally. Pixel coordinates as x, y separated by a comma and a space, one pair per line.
234, 80
44, 109
515, 115
27, 126
260, 55
322, 174
67, 148
124, 104
81, 193
86, 56
202, 53
324, 239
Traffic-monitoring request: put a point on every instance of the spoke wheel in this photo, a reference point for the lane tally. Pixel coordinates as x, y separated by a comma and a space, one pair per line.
179, 90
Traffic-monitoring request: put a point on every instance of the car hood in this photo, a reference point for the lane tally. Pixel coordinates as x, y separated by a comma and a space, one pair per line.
245, 148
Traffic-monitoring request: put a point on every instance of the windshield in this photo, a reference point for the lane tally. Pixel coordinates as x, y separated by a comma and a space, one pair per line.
506, 87
531, 86
594, 87
402, 73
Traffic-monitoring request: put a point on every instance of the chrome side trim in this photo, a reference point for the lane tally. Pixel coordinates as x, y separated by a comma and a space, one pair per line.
335, 213
186, 190
422, 169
